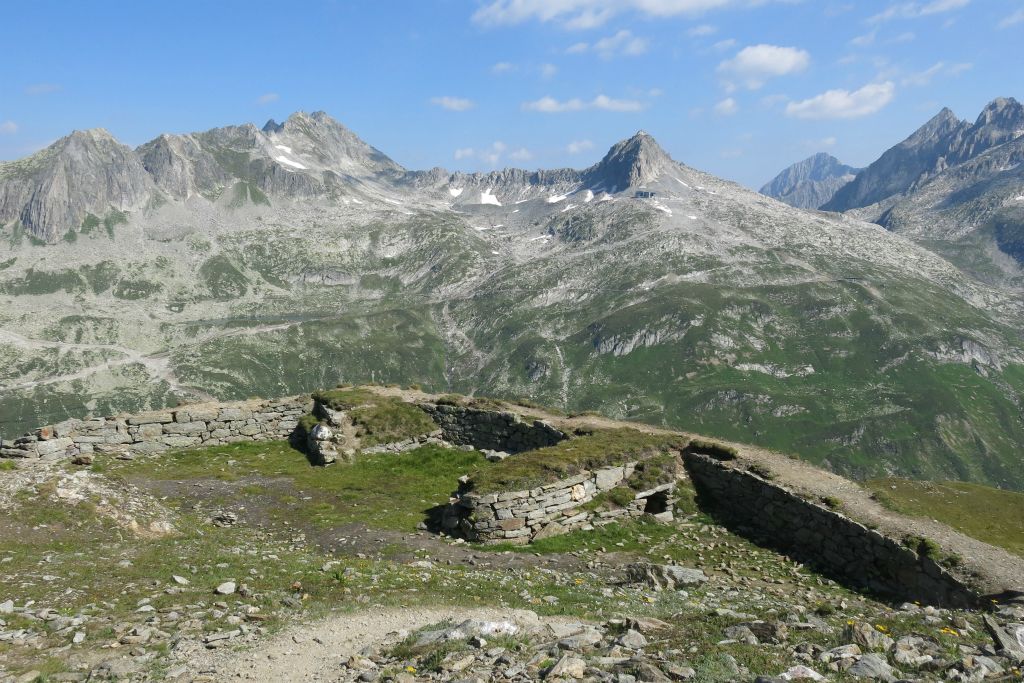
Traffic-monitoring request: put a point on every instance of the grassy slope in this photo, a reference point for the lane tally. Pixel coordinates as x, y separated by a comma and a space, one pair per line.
387, 490
874, 403
107, 571
991, 515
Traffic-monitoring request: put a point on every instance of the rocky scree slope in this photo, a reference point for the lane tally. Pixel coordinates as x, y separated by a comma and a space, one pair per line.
273, 261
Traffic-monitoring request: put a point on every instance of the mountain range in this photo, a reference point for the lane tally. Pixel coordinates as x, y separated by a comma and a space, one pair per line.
954, 186
269, 261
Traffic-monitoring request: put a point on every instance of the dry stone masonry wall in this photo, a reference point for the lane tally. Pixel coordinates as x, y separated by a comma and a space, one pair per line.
491, 429
523, 516
822, 537
206, 424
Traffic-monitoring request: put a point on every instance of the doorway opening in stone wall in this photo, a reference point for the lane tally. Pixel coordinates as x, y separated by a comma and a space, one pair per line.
657, 503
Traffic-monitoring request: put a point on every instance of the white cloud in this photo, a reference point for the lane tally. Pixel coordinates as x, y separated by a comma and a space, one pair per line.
1012, 20
843, 104
548, 71
502, 67
923, 78
865, 39
723, 45
608, 104
702, 30
579, 146
770, 101
452, 103
550, 105
755, 64
493, 154
726, 107
268, 98
915, 10
939, 6
621, 44
42, 89
8, 127
521, 154
586, 14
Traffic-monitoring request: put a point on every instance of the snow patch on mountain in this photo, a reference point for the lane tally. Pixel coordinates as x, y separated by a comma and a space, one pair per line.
288, 162
487, 198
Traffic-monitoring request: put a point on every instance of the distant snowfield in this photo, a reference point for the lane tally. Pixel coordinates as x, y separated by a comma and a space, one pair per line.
487, 198
555, 198
284, 148
589, 196
569, 208
288, 162
606, 198
455, 191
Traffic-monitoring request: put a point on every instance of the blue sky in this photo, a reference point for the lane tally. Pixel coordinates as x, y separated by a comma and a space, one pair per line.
740, 88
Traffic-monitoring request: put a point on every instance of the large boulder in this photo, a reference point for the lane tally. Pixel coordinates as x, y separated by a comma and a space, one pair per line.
664, 576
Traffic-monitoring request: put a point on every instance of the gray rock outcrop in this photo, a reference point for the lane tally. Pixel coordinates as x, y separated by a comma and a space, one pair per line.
810, 183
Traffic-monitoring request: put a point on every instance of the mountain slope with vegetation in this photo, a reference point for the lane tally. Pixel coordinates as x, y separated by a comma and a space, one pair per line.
704, 306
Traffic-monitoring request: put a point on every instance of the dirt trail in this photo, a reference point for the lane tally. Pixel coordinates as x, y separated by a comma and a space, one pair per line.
993, 569
315, 651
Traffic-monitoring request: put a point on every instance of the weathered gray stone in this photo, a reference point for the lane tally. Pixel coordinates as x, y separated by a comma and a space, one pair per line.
151, 418
668, 577
872, 666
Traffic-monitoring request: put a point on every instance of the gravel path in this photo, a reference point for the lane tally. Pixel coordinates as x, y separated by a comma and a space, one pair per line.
316, 651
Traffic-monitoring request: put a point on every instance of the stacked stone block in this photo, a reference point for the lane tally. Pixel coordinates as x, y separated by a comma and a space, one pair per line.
497, 430
822, 537
528, 515
206, 424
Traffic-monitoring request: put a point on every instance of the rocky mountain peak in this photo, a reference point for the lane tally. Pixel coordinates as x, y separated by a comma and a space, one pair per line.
91, 136
319, 137
1004, 112
272, 126
939, 126
630, 163
810, 183
86, 172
